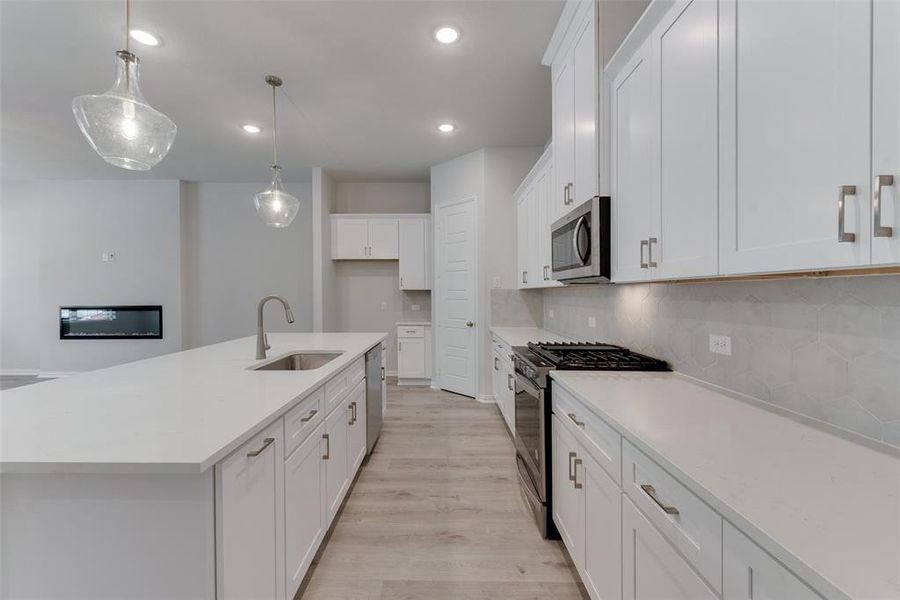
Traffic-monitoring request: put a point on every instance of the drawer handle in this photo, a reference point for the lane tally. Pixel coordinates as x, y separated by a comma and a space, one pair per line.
266, 443
844, 236
309, 417
571, 475
327, 439
650, 262
578, 486
576, 421
644, 244
650, 491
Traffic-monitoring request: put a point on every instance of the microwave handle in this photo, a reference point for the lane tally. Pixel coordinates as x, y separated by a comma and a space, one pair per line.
575, 231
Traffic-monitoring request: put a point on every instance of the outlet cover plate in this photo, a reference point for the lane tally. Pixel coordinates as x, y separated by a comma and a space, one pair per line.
720, 344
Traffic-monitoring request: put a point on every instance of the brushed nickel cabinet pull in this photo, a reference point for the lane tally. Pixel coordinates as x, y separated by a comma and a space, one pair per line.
650, 491
309, 417
575, 420
266, 443
352, 408
496, 364
644, 243
844, 236
509, 382
524, 276
571, 474
578, 486
382, 373
881, 181
650, 262
353, 405
327, 439
546, 272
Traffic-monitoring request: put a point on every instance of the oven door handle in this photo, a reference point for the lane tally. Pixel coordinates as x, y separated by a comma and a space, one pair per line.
526, 386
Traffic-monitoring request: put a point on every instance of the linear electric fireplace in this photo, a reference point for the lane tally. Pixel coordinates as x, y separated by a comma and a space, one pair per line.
110, 322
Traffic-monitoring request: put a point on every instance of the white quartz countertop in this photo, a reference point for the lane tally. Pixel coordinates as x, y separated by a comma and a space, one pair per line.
825, 506
520, 336
177, 413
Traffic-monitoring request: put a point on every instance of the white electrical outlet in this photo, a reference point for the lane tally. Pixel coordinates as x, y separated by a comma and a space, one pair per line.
720, 344
108, 257
592, 322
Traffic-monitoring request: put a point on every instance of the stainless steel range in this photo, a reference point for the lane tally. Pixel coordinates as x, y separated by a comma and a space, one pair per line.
533, 391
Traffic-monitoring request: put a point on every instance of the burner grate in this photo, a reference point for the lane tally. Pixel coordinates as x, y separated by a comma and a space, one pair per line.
595, 356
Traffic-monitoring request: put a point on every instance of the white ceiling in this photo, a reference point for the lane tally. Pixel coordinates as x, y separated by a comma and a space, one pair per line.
364, 84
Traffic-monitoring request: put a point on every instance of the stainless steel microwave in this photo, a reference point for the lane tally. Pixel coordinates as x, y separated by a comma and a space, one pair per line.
580, 245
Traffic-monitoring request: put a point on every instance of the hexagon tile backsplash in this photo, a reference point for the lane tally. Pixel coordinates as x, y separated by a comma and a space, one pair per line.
828, 348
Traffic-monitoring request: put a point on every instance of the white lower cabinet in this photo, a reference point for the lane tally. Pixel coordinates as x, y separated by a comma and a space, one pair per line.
356, 437
250, 519
651, 568
304, 515
751, 574
411, 358
566, 499
337, 472
602, 565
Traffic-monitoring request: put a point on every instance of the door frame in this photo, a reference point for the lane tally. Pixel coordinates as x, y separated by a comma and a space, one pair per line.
438, 380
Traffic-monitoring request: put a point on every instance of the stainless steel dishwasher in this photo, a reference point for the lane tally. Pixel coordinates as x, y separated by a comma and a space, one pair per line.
374, 396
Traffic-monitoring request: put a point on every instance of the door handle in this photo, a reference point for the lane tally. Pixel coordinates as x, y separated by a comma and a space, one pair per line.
309, 417
881, 181
327, 439
577, 462
470, 324
644, 243
650, 261
845, 190
650, 491
571, 474
266, 443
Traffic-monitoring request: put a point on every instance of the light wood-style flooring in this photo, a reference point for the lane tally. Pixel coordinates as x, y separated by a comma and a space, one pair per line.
436, 514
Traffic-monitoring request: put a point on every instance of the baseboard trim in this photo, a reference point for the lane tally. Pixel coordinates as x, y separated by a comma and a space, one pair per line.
19, 373
413, 381
486, 398
55, 374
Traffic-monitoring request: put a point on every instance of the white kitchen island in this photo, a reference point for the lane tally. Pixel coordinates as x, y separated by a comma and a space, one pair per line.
188, 475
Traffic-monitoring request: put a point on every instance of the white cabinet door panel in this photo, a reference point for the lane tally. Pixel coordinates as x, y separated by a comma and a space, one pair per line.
567, 499
585, 103
634, 165
411, 357
384, 240
349, 238
337, 475
751, 574
651, 568
794, 115
356, 438
602, 571
523, 230
304, 514
250, 517
687, 218
886, 126
563, 134
414, 254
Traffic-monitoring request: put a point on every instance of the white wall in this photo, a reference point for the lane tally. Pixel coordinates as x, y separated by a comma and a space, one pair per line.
324, 312
232, 260
367, 294
54, 233
489, 175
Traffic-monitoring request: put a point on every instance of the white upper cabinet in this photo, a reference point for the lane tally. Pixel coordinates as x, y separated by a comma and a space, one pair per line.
634, 166
535, 213
886, 132
794, 134
384, 241
415, 253
573, 57
686, 207
349, 237
585, 102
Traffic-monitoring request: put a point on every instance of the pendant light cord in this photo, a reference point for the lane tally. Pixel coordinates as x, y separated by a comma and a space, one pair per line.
274, 131
128, 25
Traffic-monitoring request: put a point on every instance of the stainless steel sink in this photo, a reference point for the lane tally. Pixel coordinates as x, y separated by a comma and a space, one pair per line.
299, 361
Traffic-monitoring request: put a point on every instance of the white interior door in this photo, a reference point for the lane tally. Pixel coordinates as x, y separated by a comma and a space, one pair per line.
457, 330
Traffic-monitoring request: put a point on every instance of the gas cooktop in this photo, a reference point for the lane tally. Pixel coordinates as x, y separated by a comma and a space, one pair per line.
594, 357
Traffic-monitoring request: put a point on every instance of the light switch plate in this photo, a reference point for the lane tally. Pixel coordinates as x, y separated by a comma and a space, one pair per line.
720, 344
592, 322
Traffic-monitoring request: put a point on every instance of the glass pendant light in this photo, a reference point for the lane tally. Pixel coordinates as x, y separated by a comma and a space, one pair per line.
274, 205
119, 124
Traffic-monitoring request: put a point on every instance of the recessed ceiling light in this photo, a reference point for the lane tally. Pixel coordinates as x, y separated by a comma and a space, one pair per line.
249, 128
446, 127
446, 34
144, 37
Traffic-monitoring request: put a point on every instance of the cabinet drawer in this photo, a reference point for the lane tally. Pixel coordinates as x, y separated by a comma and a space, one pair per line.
684, 519
602, 441
500, 346
302, 419
340, 385
411, 331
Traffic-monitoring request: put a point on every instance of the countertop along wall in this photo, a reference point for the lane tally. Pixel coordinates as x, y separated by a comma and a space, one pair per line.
827, 348
367, 294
